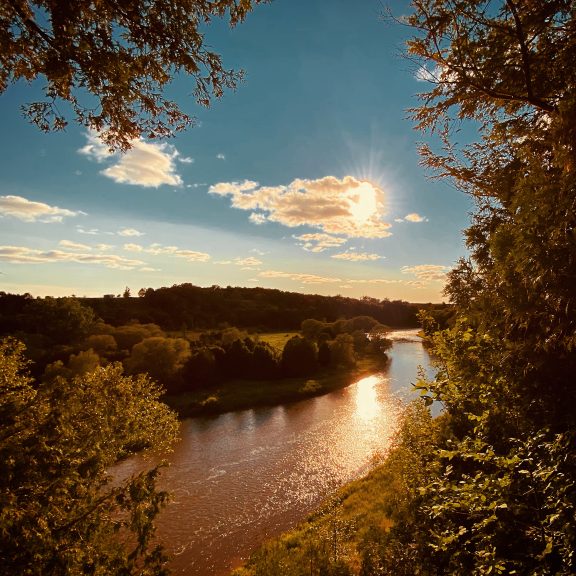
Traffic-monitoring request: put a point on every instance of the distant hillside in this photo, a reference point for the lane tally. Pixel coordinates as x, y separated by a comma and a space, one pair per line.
190, 306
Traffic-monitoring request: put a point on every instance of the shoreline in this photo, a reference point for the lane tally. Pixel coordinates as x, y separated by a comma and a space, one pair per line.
237, 395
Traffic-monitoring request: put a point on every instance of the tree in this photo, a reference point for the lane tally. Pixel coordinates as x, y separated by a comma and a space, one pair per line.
63, 320
111, 62
62, 511
162, 358
299, 357
507, 364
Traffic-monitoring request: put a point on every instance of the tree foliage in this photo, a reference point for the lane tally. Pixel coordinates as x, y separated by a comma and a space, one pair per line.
507, 364
111, 62
62, 511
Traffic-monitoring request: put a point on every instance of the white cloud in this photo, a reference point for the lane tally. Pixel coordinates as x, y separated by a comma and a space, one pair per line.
30, 211
427, 272
257, 218
221, 156
318, 242
145, 164
158, 250
250, 261
74, 245
89, 232
356, 256
24, 255
185, 159
299, 277
414, 217
130, 232
347, 206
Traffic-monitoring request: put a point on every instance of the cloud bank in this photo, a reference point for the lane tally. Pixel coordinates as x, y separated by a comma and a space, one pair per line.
30, 211
427, 272
347, 207
158, 250
24, 255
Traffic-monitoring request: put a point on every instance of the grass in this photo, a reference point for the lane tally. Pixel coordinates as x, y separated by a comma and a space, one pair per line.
277, 339
335, 534
243, 394
348, 534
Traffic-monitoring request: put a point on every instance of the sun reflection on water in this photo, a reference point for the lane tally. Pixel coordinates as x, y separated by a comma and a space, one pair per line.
367, 404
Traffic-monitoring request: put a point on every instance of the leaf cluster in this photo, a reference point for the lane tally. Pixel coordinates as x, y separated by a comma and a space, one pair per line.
62, 511
111, 62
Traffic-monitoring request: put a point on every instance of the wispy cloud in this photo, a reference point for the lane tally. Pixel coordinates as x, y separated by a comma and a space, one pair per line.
356, 256
24, 255
347, 206
413, 217
376, 281
427, 272
299, 277
221, 156
146, 164
248, 263
158, 250
89, 231
318, 242
130, 232
74, 245
30, 211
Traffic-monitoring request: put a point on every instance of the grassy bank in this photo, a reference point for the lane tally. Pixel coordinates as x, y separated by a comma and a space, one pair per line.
243, 394
350, 534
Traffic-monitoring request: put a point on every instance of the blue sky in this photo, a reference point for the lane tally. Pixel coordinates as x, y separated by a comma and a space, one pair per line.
305, 179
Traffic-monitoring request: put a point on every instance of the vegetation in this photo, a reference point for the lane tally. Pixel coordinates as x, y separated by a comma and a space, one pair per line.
110, 63
62, 511
207, 371
489, 487
260, 309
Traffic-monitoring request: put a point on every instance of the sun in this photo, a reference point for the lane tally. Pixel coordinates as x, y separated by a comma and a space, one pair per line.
365, 203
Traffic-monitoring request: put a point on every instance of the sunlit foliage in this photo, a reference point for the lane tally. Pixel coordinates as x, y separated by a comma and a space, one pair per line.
62, 511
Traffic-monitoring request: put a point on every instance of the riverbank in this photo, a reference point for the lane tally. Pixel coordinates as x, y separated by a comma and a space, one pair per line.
348, 534
235, 395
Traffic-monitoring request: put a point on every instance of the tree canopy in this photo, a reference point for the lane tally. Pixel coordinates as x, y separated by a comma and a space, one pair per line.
62, 511
110, 62
506, 367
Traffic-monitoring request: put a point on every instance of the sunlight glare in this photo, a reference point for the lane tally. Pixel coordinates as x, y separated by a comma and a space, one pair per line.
364, 204
367, 403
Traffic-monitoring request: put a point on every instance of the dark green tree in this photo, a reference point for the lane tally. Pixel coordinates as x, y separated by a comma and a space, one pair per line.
299, 357
62, 320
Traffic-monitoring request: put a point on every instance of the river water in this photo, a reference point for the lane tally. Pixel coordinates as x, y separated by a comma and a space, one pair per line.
242, 477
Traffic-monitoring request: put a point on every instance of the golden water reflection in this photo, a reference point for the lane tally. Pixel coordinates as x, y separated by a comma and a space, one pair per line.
368, 406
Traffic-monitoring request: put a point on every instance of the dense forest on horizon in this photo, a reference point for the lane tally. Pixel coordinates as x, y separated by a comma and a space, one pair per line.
186, 306
256, 308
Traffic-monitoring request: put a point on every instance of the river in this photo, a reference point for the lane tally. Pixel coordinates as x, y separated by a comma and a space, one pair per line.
239, 478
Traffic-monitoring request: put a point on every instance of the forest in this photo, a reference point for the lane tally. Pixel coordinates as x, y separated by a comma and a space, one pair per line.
207, 337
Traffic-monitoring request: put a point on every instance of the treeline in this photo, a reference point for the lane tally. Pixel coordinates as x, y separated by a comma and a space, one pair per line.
65, 338
256, 308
